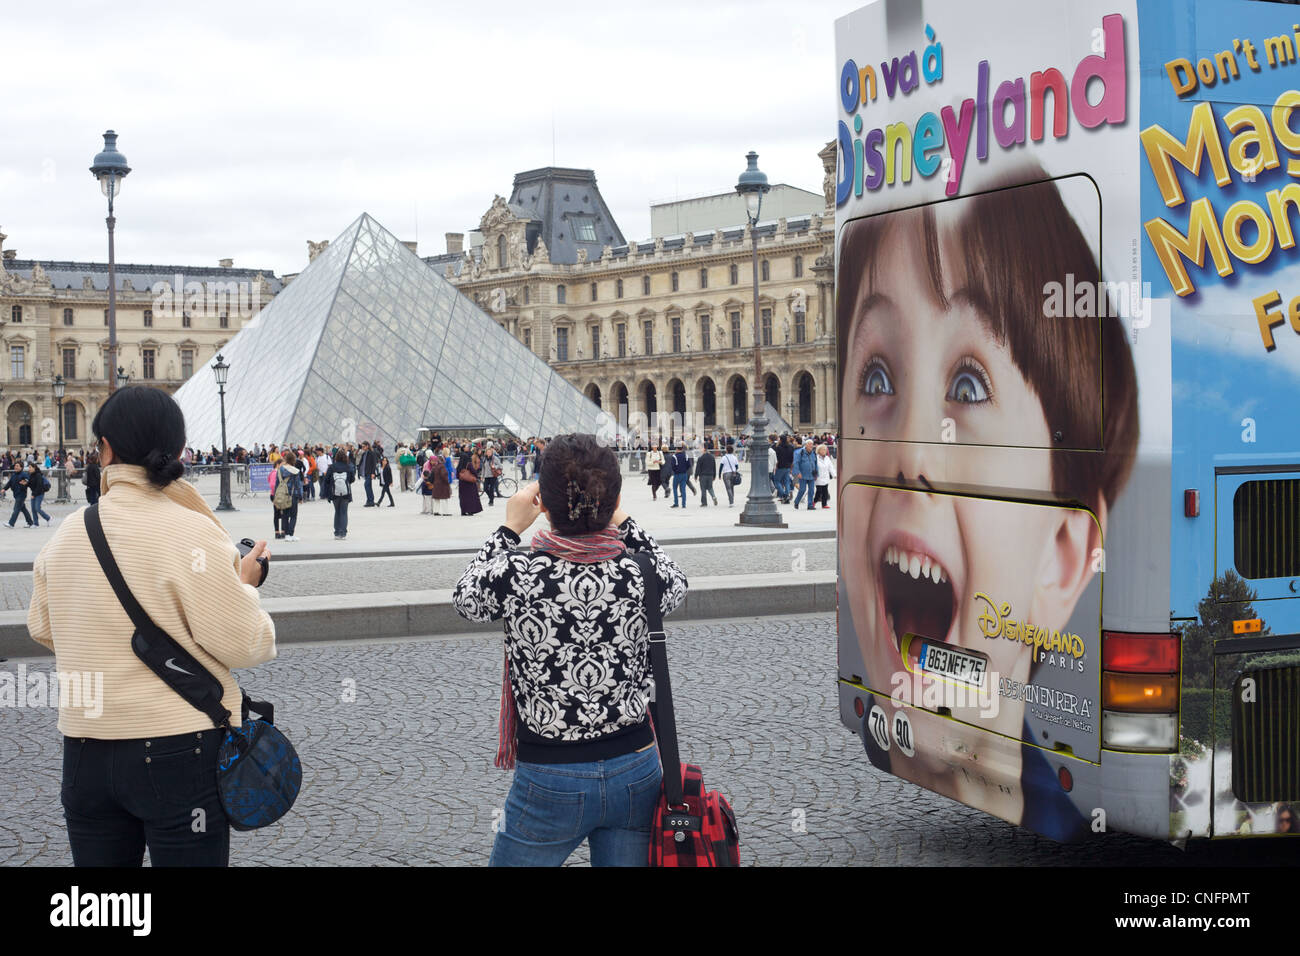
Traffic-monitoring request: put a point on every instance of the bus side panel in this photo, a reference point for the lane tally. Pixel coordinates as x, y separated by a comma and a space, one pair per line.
1235, 372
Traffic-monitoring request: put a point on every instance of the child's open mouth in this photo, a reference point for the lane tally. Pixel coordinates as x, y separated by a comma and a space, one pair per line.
918, 598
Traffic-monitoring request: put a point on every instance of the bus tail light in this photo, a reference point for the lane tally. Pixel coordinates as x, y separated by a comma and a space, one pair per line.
1139, 691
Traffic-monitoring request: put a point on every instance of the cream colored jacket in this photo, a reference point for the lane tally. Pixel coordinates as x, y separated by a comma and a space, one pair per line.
182, 567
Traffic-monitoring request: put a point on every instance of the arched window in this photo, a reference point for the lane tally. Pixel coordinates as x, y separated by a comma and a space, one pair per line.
593, 292
805, 398
735, 274
674, 283
561, 294
618, 288
709, 399
765, 270
67, 316
704, 278
645, 285
739, 399
798, 267
70, 418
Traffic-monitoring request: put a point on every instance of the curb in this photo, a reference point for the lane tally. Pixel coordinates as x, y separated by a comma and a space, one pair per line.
467, 549
366, 617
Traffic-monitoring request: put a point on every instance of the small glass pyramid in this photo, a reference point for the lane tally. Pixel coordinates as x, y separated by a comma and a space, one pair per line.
370, 343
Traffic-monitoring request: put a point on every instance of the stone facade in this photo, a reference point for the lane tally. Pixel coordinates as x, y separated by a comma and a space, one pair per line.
668, 325
53, 321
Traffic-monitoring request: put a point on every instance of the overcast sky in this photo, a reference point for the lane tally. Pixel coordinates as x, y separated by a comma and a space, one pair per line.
252, 127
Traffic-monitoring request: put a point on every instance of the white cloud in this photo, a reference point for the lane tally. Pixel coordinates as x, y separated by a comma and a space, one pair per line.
251, 127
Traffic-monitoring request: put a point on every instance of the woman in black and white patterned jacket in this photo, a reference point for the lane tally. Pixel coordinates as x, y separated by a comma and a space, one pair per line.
577, 679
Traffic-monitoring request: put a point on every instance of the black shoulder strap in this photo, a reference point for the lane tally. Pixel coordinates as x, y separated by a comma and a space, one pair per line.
175, 666
661, 708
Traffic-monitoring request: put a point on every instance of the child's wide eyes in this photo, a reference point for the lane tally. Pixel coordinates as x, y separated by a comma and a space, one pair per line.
875, 379
970, 385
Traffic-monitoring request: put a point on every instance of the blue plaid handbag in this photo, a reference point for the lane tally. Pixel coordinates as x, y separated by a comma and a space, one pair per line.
258, 772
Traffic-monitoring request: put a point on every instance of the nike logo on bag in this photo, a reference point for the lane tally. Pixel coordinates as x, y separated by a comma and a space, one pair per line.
168, 663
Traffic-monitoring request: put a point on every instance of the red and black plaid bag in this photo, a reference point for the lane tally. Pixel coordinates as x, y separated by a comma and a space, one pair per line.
692, 826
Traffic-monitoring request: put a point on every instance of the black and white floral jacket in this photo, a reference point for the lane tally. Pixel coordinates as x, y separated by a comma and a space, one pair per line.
575, 635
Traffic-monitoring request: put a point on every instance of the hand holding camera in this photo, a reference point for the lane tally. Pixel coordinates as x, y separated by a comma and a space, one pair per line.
255, 563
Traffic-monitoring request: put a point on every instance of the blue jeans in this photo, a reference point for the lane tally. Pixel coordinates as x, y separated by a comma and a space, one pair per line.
370, 491
20, 508
804, 485
38, 512
679, 487
552, 808
783, 482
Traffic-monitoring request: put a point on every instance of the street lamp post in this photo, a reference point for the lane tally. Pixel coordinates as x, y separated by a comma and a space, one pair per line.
760, 507
60, 387
221, 370
110, 169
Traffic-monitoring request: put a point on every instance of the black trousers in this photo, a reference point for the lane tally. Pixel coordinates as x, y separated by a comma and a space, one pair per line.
385, 490
120, 796
490, 488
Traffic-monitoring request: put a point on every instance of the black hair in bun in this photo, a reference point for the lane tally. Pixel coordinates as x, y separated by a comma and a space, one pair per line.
580, 484
145, 427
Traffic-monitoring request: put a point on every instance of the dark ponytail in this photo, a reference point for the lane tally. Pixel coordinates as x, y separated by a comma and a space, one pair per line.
145, 427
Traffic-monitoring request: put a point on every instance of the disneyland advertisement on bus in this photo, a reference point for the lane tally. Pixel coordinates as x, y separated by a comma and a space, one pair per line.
1064, 335
1220, 160
987, 306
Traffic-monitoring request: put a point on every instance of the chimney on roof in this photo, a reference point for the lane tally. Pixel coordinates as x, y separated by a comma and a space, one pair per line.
11, 254
455, 243
226, 263
411, 244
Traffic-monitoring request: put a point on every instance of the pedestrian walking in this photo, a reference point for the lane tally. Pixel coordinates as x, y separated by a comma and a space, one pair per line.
825, 475
729, 469
655, 472
491, 474
784, 461
286, 492
19, 484
338, 483
38, 485
706, 469
386, 482
575, 691
91, 478
681, 466
805, 471
140, 767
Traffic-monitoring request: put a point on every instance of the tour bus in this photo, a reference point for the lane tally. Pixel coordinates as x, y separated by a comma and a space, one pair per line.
1068, 331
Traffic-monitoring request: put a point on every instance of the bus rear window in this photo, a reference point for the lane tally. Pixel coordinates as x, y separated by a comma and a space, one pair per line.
1266, 528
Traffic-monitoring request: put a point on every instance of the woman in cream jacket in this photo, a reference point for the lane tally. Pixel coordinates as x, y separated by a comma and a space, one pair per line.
139, 762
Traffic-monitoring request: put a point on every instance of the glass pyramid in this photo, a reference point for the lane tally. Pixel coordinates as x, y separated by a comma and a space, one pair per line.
370, 343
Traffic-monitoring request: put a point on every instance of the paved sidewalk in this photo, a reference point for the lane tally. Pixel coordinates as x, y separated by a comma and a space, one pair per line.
404, 775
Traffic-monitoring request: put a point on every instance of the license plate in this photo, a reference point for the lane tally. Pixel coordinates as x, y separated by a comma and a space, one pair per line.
953, 664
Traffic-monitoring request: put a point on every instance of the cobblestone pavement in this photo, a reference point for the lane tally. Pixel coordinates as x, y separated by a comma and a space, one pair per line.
412, 573
404, 774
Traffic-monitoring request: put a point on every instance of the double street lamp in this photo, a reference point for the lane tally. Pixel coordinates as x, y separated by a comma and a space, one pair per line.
760, 507
221, 369
110, 169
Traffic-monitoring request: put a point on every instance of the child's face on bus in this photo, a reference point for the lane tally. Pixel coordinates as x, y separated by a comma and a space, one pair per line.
928, 382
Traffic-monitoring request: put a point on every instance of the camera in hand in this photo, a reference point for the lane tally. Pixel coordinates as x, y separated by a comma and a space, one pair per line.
245, 546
